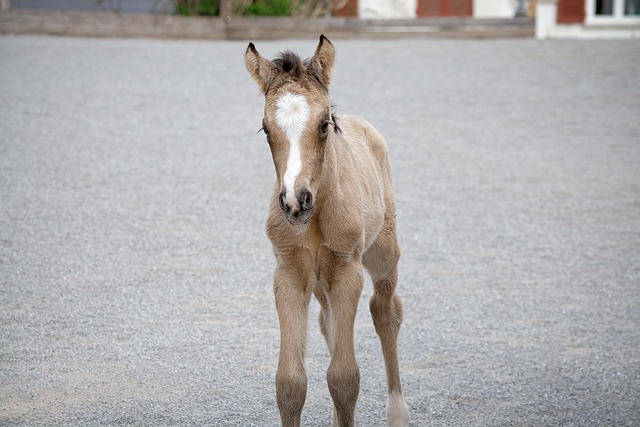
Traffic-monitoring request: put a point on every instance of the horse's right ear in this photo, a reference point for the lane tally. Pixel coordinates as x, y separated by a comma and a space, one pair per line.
262, 70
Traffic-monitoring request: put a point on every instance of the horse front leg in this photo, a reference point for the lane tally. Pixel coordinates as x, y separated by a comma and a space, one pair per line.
292, 297
343, 281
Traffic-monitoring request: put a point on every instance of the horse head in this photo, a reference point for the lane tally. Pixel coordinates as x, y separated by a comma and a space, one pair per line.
297, 122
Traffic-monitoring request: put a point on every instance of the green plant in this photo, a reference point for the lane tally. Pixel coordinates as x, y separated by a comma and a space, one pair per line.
270, 8
197, 7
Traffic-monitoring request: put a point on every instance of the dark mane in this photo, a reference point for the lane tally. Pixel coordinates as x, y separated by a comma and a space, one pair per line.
336, 127
290, 63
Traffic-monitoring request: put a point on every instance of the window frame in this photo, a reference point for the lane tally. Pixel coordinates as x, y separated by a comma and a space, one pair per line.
618, 16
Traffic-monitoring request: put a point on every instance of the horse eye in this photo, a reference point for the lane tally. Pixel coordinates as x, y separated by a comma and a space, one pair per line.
324, 128
264, 128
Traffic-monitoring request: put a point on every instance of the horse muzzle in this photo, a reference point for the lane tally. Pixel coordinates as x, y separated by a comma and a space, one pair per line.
298, 211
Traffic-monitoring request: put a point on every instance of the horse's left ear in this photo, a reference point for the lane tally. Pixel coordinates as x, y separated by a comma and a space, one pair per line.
321, 64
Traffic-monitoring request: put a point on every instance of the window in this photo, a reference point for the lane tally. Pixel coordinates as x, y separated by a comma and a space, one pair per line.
632, 7
613, 11
604, 7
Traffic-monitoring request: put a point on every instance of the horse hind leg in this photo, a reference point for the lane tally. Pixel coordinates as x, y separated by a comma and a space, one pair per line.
324, 318
386, 310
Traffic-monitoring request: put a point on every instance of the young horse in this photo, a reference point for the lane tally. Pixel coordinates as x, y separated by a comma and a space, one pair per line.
331, 213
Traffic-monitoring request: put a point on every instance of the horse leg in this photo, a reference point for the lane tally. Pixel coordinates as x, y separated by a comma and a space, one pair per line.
386, 310
344, 280
326, 324
324, 318
292, 301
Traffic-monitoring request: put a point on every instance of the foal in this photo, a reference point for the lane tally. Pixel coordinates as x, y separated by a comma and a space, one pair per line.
331, 213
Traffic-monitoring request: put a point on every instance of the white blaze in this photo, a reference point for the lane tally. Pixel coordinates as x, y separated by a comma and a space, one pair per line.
292, 113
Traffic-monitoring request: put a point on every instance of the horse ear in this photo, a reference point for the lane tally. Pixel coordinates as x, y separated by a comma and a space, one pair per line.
262, 70
321, 64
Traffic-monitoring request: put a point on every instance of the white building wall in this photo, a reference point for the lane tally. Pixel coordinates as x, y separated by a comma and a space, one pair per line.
546, 16
387, 9
494, 8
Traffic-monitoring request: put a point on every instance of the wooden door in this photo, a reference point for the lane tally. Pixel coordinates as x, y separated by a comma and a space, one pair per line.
571, 11
349, 8
440, 8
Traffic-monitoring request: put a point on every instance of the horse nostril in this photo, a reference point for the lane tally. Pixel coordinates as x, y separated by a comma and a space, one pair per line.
283, 202
306, 200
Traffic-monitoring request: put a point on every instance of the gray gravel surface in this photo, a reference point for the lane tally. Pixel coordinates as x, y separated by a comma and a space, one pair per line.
136, 277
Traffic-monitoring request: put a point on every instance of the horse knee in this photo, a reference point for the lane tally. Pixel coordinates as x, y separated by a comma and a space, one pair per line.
386, 311
291, 392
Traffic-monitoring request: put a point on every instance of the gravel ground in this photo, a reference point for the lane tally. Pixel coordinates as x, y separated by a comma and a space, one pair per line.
136, 277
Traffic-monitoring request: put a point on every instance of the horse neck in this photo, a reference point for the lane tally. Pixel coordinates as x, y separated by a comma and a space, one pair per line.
329, 187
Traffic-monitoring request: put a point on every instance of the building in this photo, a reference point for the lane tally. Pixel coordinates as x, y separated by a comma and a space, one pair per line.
588, 19
128, 6
388, 9
365, 9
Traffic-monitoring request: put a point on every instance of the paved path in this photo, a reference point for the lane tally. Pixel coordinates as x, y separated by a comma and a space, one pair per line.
135, 277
